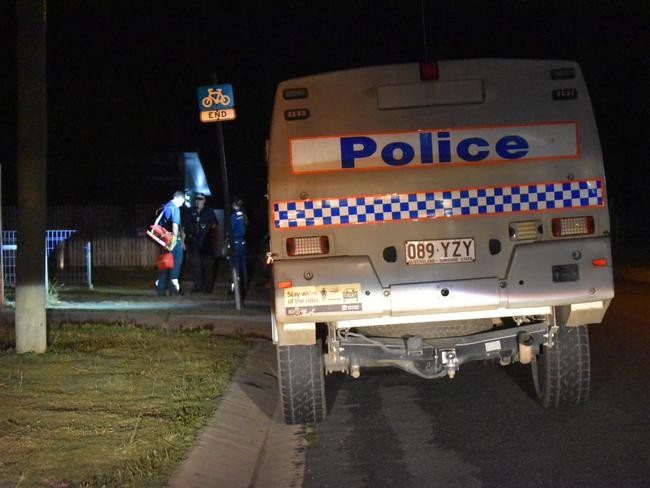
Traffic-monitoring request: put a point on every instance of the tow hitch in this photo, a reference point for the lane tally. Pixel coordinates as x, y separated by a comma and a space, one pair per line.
450, 362
432, 358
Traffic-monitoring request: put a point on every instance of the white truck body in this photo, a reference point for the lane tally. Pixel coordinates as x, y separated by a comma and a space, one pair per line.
477, 197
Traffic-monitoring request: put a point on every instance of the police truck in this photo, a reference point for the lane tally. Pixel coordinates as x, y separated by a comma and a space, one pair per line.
427, 215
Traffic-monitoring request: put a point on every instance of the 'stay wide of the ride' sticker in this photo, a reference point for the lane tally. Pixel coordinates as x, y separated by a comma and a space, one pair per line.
307, 300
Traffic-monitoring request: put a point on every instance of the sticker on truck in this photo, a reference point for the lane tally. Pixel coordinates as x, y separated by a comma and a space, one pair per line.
434, 147
306, 300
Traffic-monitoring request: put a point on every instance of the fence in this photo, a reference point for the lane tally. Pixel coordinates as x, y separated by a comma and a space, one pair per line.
9, 256
117, 232
137, 250
67, 257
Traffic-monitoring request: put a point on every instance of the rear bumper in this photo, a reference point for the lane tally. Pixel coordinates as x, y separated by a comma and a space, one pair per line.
433, 358
528, 287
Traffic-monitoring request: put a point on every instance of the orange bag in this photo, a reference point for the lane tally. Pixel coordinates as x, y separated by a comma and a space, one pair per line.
159, 234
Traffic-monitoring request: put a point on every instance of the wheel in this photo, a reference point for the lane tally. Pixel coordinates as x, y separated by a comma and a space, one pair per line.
561, 374
235, 286
302, 384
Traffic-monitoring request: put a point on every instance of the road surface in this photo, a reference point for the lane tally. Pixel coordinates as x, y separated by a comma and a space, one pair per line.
484, 429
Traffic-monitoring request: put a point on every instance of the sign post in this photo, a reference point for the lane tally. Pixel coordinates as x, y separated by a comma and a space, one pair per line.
217, 104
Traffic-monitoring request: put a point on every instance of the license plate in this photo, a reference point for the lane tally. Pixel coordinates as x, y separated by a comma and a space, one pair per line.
440, 251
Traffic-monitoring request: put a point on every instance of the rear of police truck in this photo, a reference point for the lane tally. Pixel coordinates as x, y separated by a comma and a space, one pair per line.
423, 216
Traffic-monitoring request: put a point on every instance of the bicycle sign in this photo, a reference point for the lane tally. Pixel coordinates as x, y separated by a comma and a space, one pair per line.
216, 103
215, 97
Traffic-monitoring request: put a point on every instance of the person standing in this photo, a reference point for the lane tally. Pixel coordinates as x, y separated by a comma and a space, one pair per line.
238, 224
168, 279
201, 244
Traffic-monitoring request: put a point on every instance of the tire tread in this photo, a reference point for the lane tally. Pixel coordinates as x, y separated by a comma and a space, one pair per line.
301, 383
567, 369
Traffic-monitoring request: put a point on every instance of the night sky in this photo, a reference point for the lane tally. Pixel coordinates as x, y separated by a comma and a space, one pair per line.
122, 78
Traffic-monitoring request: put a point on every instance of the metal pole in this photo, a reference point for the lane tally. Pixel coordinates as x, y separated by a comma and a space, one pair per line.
89, 265
223, 167
224, 177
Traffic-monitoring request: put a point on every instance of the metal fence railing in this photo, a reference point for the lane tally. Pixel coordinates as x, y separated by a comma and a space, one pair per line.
68, 257
9, 256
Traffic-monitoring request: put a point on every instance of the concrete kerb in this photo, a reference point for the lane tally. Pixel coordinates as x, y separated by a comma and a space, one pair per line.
246, 444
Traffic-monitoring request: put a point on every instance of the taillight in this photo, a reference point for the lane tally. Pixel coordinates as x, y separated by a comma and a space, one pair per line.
429, 71
307, 246
573, 226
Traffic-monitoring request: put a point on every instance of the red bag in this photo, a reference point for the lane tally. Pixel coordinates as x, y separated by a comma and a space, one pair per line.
159, 234
165, 260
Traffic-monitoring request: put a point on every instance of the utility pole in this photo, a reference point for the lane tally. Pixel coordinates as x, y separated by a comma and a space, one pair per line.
31, 328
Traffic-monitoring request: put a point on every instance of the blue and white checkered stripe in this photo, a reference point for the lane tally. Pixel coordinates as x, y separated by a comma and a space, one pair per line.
437, 204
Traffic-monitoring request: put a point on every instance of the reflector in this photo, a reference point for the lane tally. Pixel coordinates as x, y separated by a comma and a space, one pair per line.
563, 74
429, 70
293, 93
296, 114
305, 246
573, 226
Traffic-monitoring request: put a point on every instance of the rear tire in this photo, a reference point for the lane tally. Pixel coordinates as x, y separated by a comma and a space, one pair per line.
302, 385
562, 373
235, 286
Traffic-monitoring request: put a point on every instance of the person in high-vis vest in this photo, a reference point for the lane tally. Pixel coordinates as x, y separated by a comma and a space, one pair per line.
238, 224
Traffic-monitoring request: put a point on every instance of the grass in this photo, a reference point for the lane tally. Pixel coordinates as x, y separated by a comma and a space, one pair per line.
311, 434
108, 405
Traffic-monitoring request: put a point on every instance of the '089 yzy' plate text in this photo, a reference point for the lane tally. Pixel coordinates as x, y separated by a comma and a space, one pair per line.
440, 251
